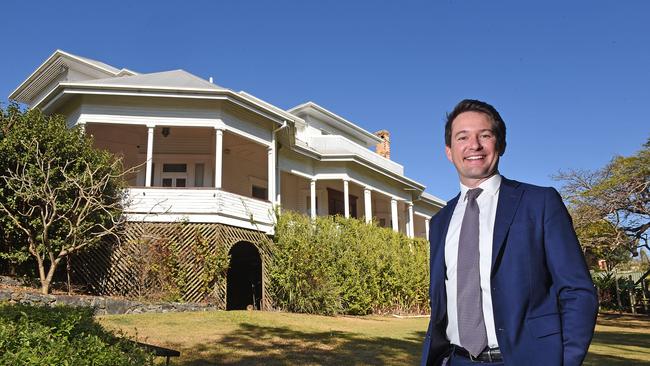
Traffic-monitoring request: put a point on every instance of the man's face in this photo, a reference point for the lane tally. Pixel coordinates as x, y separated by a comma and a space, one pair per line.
473, 148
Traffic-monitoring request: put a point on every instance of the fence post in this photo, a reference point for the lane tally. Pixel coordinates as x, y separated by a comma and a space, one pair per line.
645, 297
632, 296
618, 294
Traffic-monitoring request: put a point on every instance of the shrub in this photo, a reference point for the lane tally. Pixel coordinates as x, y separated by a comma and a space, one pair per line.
606, 285
61, 336
335, 265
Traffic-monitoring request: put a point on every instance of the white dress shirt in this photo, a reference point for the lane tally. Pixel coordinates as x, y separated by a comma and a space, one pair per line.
487, 203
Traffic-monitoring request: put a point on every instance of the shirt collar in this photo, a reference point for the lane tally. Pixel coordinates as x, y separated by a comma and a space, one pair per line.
490, 186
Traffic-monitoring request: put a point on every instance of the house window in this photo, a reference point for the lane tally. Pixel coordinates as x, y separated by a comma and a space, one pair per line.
174, 168
174, 175
259, 188
198, 174
259, 192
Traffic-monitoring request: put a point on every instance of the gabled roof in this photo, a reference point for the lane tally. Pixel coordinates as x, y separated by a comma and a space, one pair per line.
175, 79
311, 108
96, 63
57, 64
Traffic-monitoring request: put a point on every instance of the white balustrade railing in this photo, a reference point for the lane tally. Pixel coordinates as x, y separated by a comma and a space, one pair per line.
211, 205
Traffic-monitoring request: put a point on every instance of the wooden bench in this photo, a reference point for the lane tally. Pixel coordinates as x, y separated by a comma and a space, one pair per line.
159, 351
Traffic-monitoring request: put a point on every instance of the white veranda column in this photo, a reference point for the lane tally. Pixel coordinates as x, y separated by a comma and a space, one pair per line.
148, 172
278, 187
426, 228
367, 202
411, 226
393, 214
218, 158
346, 198
312, 198
271, 174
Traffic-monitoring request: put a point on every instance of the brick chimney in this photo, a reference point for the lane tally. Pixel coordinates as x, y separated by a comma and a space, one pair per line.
383, 148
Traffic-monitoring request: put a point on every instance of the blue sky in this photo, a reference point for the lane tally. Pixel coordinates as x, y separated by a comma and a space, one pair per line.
570, 78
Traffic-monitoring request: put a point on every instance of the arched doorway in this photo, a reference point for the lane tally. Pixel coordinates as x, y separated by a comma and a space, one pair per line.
244, 277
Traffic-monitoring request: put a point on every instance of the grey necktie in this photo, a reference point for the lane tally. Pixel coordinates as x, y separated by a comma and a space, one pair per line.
471, 325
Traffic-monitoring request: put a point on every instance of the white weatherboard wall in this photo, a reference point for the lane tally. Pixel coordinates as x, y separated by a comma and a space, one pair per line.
244, 164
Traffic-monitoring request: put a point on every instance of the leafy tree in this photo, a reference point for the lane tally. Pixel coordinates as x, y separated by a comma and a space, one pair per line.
58, 194
611, 206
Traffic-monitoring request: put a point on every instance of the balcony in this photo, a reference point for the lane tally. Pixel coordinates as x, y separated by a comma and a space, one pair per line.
156, 204
339, 145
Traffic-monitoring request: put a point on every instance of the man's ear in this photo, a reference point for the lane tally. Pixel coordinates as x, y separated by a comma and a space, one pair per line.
448, 153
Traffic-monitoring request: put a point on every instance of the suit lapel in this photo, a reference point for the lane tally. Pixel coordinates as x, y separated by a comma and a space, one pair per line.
445, 220
509, 197
439, 258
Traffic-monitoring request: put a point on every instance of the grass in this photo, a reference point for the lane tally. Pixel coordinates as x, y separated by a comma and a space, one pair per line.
254, 338
620, 340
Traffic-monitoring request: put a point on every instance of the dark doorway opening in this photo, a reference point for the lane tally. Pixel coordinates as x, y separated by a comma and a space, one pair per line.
336, 203
244, 277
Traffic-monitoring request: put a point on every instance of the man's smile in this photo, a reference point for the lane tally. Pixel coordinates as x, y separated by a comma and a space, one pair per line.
475, 157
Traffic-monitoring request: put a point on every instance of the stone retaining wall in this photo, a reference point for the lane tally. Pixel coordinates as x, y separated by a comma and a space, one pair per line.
102, 305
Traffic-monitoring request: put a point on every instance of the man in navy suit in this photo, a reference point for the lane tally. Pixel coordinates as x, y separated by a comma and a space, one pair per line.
509, 283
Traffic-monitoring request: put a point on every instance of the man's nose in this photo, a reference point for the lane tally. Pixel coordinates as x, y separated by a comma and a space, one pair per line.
475, 143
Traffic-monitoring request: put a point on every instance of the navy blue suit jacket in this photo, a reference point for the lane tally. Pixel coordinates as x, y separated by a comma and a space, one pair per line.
544, 301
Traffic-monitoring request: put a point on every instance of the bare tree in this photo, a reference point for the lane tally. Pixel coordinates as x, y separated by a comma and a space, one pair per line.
62, 207
610, 207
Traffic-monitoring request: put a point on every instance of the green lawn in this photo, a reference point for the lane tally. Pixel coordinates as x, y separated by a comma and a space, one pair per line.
254, 338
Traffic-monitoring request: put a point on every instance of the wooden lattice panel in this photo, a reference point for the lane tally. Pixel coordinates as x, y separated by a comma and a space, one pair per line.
128, 267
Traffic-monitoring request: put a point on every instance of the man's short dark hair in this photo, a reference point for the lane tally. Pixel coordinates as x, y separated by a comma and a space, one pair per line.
473, 105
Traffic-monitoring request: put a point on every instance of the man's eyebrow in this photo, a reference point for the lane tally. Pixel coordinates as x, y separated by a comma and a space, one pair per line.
480, 131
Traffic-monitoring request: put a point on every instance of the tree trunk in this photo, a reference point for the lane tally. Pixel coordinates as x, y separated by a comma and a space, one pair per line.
45, 284
45, 287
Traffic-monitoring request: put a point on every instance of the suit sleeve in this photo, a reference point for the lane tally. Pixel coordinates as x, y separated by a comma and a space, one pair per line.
571, 280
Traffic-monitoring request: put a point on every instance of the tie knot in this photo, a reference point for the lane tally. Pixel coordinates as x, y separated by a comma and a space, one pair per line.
472, 194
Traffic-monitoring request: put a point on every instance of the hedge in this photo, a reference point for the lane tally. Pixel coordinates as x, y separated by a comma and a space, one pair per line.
37, 335
334, 265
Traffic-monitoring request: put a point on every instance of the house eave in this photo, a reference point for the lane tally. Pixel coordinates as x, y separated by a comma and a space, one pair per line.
51, 99
41, 73
440, 203
370, 138
411, 184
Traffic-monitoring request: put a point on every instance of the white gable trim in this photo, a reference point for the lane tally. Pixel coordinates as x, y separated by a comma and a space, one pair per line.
52, 67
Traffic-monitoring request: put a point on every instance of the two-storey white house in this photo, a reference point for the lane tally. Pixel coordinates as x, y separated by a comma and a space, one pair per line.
205, 154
